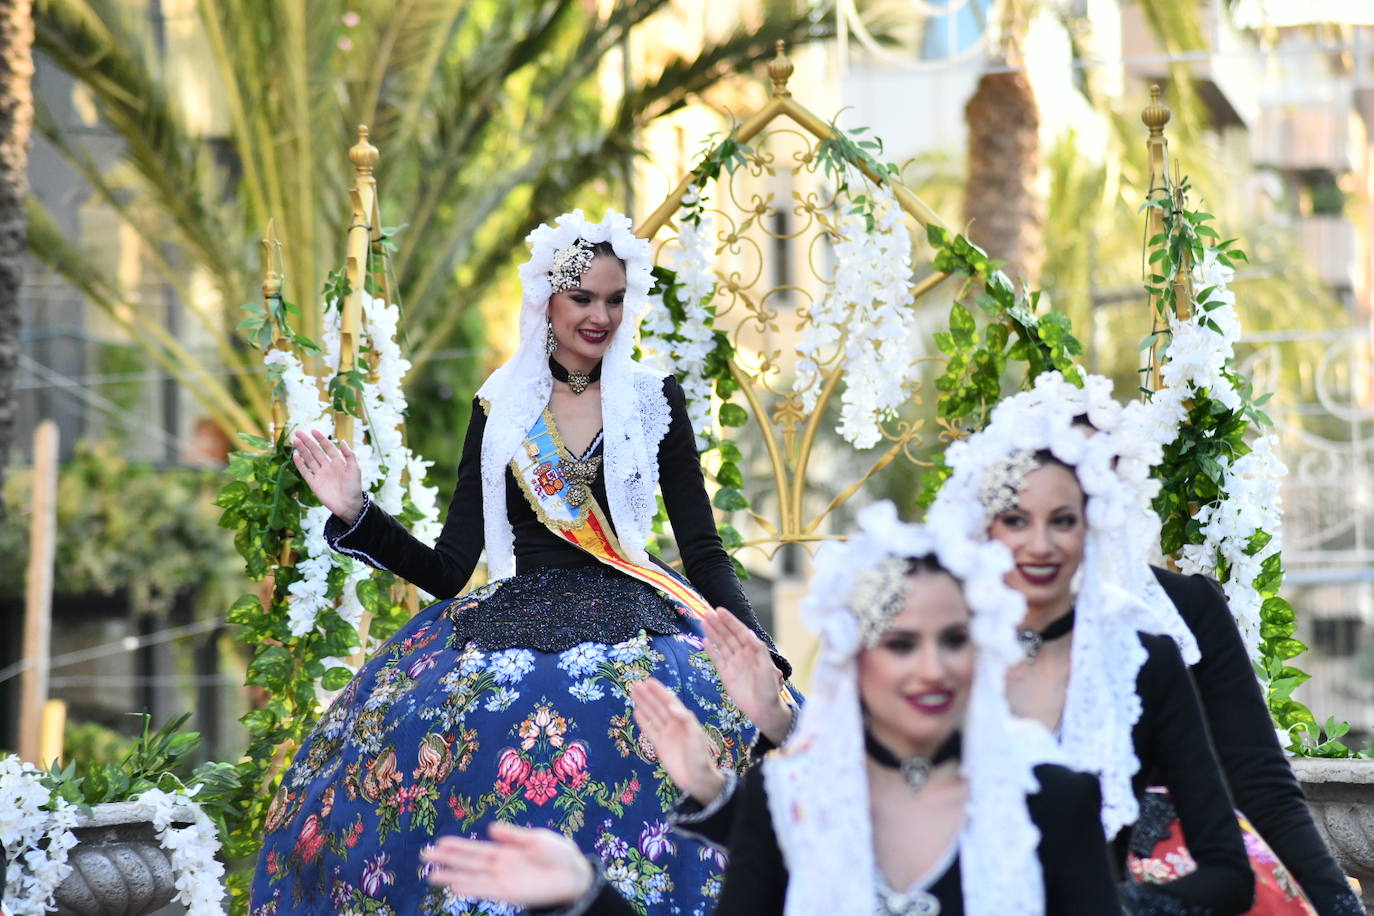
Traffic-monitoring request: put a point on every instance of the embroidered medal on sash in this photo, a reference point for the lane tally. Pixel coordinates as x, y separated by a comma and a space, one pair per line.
559, 489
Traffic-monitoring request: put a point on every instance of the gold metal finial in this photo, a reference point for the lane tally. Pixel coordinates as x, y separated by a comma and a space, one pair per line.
363, 154
271, 280
1156, 114
780, 69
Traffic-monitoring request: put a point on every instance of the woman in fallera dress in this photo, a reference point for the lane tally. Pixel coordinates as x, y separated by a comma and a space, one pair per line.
907, 790
510, 703
1104, 659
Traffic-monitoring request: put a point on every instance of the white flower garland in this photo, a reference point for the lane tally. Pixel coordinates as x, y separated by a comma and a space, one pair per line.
191, 848
391, 472
1200, 348
682, 350
868, 308
36, 839
36, 831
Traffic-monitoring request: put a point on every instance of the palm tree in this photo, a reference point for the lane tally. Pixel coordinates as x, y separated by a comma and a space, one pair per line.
1003, 208
16, 121
1002, 205
487, 113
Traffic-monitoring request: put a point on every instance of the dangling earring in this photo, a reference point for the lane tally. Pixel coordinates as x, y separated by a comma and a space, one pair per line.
550, 342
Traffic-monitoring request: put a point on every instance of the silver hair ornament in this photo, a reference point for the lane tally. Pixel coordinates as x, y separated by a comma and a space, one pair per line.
569, 264
877, 596
1002, 482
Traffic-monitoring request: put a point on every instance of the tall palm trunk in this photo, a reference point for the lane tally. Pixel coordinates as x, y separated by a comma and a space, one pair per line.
16, 121
1002, 202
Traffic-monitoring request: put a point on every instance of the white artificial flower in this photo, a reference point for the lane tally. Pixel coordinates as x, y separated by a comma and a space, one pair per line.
868, 309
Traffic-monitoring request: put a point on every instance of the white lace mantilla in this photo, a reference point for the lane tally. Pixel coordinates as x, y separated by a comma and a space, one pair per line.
635, 413
1118, 594
818, 785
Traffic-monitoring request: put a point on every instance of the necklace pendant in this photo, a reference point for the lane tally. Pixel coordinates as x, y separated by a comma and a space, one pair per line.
916, 772
1030, 641
918, 903
578, 381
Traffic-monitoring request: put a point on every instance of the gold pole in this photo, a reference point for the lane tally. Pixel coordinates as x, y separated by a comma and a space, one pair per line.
1183, 275
364, 156
271, 289
1155, 116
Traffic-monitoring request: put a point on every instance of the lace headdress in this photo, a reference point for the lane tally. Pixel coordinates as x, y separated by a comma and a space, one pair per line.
817, 786
1117, 593
634, 411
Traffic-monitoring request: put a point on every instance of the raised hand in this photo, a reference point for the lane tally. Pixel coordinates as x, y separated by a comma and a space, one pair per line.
747, 672
331, 472
678, 740
517, 865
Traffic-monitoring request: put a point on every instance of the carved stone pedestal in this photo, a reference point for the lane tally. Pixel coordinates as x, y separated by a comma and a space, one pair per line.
1341, 796
118, 868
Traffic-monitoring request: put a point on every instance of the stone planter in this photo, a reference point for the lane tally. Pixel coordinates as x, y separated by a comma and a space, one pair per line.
118, 867
1341, 796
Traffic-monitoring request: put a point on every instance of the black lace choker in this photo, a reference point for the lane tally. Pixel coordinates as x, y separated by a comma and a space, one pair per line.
577, 381
1032, 640
916, 769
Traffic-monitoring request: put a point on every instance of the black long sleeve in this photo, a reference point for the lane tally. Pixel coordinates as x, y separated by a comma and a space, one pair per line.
1261, 781
756, 877
1175, 750
379, 540
704, 560
442, 570
1073, 852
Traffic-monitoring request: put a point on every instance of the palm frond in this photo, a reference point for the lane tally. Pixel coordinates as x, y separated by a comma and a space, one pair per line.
50, 246
85, 37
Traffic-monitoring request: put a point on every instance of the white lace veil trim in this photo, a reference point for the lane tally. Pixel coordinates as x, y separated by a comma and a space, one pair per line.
817, 786
1136, 453
1117, 595
635, 413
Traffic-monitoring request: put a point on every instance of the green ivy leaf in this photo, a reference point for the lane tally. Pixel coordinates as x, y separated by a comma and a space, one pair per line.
730, 538
336, 678
270, 667
733, 415
729, 475
728, 499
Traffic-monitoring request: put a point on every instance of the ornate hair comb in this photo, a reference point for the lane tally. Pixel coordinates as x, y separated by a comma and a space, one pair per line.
877, 596
569, 264
1003, 480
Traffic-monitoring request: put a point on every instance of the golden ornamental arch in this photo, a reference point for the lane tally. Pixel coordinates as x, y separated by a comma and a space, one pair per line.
781, 145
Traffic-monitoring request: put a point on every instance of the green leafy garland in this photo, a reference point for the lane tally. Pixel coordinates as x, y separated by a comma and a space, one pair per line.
264, 504
1193, 473
977, 369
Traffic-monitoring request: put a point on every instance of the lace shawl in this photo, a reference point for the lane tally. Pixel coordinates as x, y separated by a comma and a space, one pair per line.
817, 785
635, 412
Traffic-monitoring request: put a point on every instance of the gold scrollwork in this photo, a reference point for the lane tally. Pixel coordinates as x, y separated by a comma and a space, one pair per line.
775, 221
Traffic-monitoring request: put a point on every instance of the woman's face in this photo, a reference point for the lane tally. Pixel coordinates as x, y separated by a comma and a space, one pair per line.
915, 683
585, 317
1045, 533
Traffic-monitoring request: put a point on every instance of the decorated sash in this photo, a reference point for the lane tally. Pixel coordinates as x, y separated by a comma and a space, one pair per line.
559, 488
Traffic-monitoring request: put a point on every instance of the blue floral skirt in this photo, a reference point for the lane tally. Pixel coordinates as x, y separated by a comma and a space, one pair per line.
447, 728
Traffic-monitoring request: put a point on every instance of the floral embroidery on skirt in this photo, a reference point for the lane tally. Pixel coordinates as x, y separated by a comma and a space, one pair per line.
439, 736
1276, 893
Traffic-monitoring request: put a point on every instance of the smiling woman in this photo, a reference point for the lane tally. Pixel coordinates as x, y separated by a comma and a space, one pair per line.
1096, 672
510, 702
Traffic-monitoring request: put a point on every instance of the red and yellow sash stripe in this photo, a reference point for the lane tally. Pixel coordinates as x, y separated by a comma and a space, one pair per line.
584, 525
